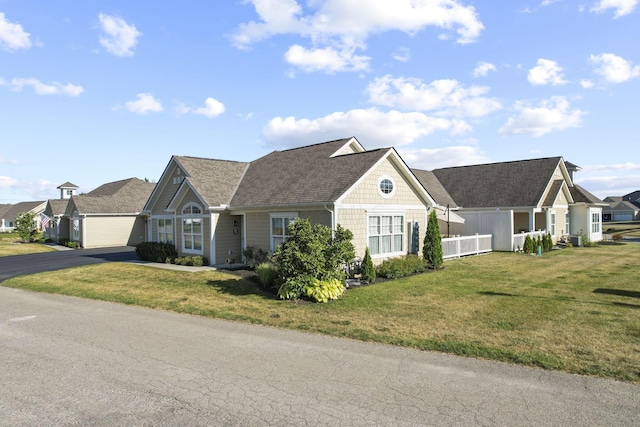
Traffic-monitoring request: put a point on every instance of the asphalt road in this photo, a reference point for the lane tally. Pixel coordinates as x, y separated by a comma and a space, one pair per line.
12, 266
67, 361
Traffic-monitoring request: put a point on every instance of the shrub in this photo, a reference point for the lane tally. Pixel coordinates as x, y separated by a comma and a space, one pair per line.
432, 249
72, 245
527, 248
267, 274
311, 252
367, 269
156, 251
192, 261
25, 226
395, 268
255, 256
324, 290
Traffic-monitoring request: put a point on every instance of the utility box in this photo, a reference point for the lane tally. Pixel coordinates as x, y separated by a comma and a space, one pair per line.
576, 240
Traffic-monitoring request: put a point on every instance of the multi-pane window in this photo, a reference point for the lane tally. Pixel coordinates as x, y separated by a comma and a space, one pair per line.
386, 234
595, 222
165, 230
553, 224
279, 229
566, 220
192, 229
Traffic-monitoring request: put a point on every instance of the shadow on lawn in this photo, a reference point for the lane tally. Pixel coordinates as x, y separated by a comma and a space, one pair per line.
616, 292
240, 288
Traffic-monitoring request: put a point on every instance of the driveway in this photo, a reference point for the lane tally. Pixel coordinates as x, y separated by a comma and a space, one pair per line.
18, 265
70, 361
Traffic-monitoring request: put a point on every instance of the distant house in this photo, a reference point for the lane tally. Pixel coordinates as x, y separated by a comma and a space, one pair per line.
10, 214
216, 208
510, 198
623, 208
106, 216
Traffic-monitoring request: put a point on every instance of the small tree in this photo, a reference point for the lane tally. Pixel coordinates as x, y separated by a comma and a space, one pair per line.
528, 245
26, 227
367, 269
432, 249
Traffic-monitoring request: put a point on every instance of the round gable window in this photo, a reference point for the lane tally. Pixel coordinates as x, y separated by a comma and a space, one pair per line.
386, 187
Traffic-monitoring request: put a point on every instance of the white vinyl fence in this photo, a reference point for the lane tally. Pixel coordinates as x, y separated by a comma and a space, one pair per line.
518, 239
453, 247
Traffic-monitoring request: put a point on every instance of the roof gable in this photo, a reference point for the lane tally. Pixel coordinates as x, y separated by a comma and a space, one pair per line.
508, 184
14, 210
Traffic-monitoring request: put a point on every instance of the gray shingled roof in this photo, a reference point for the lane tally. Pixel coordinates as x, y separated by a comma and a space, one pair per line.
214, 180
4, 208
306, 175
58, 206
125, 196
556, 187
623, 206
434, 187
12, 213
580, 195
509, 184
633, 196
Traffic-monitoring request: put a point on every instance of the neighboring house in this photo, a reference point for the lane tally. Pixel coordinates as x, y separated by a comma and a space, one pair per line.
55, 209
510, 198
106, 216
622, 208
216, 208
8, 220
3, 209
56, 228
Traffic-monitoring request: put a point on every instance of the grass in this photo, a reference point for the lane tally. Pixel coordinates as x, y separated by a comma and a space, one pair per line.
626, 228
8, 246
575, 310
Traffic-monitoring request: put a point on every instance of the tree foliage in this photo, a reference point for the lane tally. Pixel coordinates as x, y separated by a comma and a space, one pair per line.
26, 227
432, 249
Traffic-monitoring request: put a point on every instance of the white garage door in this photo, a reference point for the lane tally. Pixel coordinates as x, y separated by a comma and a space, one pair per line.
622, 217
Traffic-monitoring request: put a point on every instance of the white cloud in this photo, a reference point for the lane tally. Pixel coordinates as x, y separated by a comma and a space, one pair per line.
436, 158
119, 38
7, 182
12, 36
40, 88
609, 185
545, 73
550, 115
483, 69
212, 108
378, 128
628, 166
445, 97
403, 54
547, 2
144, 103
621, 7
337, 28
586, 84
613, 68
326, 59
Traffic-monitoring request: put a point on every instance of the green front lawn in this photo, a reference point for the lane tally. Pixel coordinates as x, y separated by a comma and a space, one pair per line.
575, 310
9, 245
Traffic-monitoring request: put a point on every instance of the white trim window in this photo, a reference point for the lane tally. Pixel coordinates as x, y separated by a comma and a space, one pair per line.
279, 227
386, 234
595, 222
165, 230
552, 221
75, 227
386, 187
192, 228
567, 223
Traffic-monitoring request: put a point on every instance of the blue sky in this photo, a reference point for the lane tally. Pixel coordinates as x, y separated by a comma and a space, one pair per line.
97, 91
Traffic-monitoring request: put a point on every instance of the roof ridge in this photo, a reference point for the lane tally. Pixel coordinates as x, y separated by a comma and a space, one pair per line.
313, 145
501, 163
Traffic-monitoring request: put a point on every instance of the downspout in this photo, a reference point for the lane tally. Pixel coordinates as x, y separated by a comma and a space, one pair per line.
333, 225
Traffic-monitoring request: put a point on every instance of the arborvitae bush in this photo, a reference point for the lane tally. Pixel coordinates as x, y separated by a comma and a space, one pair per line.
527, 248
432, 249
156, 251
367, 269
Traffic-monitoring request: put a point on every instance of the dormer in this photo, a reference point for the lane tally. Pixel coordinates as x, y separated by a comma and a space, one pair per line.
67, 190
